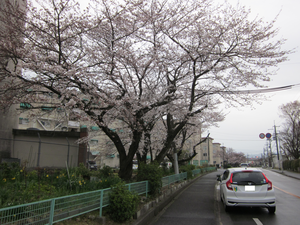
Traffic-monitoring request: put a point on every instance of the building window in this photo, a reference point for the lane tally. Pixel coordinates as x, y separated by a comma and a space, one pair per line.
60, 110
48, 94
23, 120
46, 123
94, 128
195, 162
24, 105
110, 155
93, 142
47, 108
204, 154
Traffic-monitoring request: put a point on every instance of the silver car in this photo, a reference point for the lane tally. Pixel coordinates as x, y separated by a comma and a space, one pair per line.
246, 187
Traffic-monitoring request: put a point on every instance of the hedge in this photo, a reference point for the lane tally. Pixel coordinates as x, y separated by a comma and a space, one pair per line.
291, 165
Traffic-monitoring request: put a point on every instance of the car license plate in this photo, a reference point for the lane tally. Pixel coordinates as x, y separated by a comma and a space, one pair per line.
249, 188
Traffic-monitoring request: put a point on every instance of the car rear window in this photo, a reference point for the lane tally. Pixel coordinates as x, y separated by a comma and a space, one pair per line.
244, 164
248, 177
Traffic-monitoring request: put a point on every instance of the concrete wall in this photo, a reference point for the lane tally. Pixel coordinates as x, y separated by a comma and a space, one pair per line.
46, 148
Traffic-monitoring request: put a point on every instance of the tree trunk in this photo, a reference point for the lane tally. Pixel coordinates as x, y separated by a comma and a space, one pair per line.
126, 163
126, 158
125, 172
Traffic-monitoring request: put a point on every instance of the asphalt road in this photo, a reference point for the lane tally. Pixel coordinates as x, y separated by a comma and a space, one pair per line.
195, 205
200, 204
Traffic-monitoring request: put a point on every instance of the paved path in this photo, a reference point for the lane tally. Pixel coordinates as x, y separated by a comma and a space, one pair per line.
288, 173
195, 205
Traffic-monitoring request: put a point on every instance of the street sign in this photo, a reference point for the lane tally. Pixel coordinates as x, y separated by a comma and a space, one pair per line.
268, 135
262, 135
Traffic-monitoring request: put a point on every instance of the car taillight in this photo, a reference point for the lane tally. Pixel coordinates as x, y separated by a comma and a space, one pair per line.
229, 182
269, 183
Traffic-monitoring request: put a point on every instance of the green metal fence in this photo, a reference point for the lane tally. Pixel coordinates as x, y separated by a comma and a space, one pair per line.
167, 181
206, 169
195, 172
62, 208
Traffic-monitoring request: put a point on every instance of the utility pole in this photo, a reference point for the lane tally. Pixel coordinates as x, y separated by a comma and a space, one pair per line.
263, 158
208, 155
270, 157
277, 148
176, 167
266, 149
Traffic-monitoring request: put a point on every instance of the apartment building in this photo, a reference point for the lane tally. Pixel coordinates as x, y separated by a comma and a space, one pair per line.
206, 152
6, 121
102, 149
217, 155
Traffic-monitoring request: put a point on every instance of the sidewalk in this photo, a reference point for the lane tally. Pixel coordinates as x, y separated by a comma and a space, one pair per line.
288, 173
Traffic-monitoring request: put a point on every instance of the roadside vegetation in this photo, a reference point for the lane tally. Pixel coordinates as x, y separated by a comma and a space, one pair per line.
292, 165
19, 185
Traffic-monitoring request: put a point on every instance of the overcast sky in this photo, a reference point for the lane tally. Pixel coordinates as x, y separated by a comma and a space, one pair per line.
241, 128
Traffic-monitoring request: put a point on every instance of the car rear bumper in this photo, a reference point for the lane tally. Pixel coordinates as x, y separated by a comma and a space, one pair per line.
251, 203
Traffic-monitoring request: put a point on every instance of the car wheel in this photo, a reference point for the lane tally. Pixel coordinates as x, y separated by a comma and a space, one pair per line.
272, 210
226, 207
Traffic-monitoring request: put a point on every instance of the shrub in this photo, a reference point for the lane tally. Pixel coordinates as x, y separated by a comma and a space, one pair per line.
293, 166
297, 164
83, 171
290, 164
153, 174
123, 203
105, 172
188, 169
9, 171
37, 191
285, 164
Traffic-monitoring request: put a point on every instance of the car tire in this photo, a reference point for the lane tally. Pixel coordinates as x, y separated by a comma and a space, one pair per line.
272, 210
226, 207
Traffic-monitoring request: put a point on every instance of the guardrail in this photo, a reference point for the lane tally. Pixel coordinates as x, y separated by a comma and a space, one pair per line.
62, 208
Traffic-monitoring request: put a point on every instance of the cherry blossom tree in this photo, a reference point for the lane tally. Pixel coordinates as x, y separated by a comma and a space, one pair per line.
135, 61
234, 158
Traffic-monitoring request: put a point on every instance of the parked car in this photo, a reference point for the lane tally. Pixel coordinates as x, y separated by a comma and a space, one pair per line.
167, 165
135, 164
248, 187
92, 165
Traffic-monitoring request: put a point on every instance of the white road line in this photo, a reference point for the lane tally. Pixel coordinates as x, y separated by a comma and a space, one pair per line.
257, 221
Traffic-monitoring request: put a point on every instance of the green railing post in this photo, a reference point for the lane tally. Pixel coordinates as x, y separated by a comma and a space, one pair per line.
147, 190
101, 203
52, 207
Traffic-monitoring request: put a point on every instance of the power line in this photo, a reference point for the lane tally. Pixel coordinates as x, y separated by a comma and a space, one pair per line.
263, 90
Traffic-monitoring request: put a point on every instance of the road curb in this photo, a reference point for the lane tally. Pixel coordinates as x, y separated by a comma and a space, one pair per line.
283, 173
